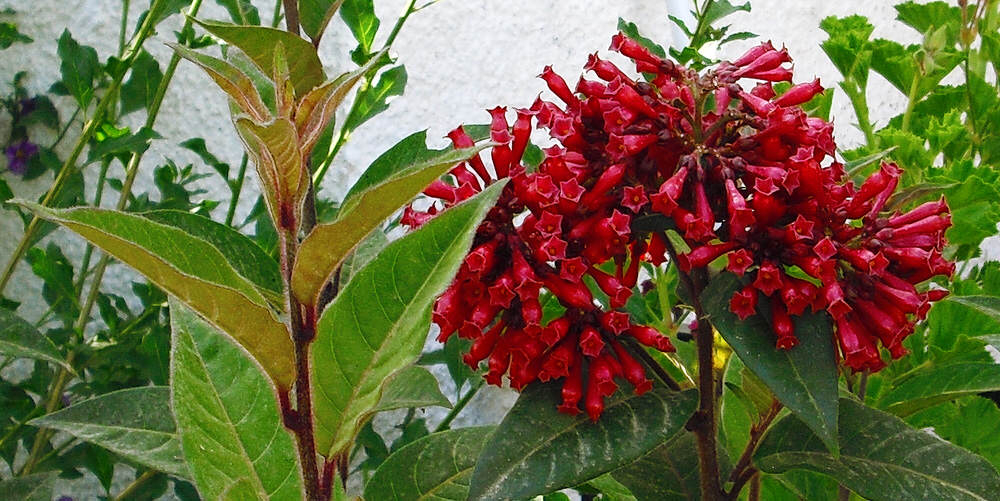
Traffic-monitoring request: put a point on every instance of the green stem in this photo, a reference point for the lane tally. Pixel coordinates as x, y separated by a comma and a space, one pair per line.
459, 406
70, 164
89, 251
910, 103
123, 28
65, 129
237, 189
276, 20
860, 104
136, 485
42, 438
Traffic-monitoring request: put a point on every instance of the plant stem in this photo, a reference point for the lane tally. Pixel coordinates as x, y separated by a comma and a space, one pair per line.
89, 129
292, 16
55, 397
89, 251
860, 105
459, 406
65, 129
704, 422
744, 470
136, 485
911, 102
754, 488
276, 19
237, 190
123, 28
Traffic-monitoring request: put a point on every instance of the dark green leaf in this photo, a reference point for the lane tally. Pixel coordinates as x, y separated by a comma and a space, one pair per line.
20, 339
881, 458
139, 90
359, 15
670, 472
632, 31
411, 386
363, 254
131, 143
227, 415
437, 466
970, 422
803, 378
939, 384
135, 423
537, 449
379, 321
79, 67
198, 146
374, 99
719, 9
9, 35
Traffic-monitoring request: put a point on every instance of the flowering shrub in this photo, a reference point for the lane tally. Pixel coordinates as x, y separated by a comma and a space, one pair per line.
696, 292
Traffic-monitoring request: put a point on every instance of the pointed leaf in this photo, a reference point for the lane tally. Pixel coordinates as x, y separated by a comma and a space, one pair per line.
940, 384
258, 43
375, 99
314, 15
668, 473
139, 91
275, 150
241, 11
317, 108
194, 271
135, 423
20, 339
379, 321
79, 67
37, 487
411, 386
328, 245
880, 458
227, 416
437, 466
537, 449
230, 79
363, 254
803, 378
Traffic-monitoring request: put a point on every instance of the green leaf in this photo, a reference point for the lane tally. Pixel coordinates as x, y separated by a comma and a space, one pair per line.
848, 46
670, 472
314, 15
363, 254
632, 31
227, 416
139, 90
721, 8
135, 423
990, 305
9, 35
20, 339
360, 18
379, 321
537, 449
437, 466
258, 42
929, 16
396, 179
37, 487
316, 109
277, 155
198, 147
79, 67
803, 378
241, 11
411, 386
611, 489
938, 384
375, 99
123, 145
193, 270
880, 458
232, 80
970, 422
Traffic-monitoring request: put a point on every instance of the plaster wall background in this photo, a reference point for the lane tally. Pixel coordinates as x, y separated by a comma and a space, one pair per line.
462, 57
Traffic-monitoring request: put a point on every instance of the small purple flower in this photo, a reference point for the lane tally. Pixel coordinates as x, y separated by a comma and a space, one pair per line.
18, 155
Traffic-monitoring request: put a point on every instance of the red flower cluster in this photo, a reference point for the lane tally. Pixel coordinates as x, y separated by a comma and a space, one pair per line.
742, 176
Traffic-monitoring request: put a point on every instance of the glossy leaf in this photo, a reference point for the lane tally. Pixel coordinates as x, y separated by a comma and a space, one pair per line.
37, 487
537, 449
227, 415
803, 378
939, 384
670, 472
437, 466
411, 386
230, 79
258, 42
989, 305
881, 458
328, 245
193, 270
379, 321
20, 339
314, 15
360, 18
136, 423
